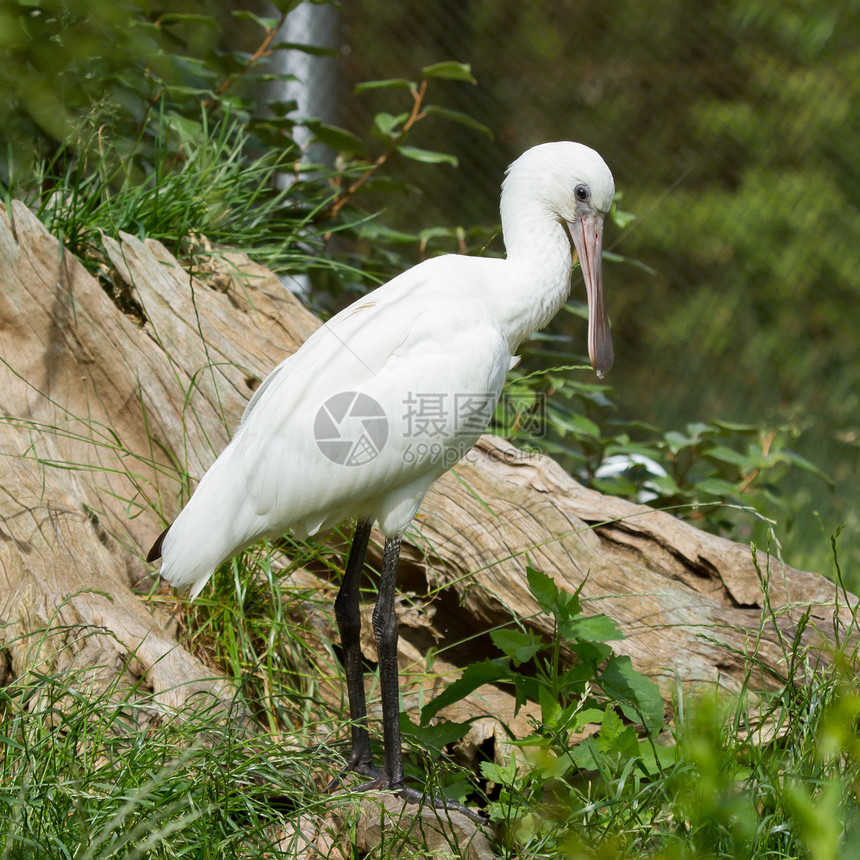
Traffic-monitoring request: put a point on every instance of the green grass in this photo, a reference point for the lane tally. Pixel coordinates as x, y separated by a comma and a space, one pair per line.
207, 184
108, 773
98, 773
113, 775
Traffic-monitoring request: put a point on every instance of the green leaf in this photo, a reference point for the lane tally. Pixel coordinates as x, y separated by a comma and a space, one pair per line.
579, 424
459, 117
550, 709
265, 77
426, 236
563, 605
390, 83
585, 754
451, 70
729, 455
664, 484
475, 675
594, 628
337, 138
657, 758
264, 22
616, 736
577, 309
437, 736
620, 217
611, 726
716, 487
587, 716
733, 427
388, 123
543, 589
676, 441
696, 429
803, 463
590, 653
313, 50
633, 691
549, 766
498, 773
427, 156
185, 18
187, 129
519, 645
197, 92
379, 232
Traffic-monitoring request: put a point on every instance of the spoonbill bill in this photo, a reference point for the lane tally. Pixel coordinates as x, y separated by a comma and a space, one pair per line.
386, 397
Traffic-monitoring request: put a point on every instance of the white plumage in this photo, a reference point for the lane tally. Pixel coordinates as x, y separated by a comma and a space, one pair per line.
388, 395
400, 341
448, 327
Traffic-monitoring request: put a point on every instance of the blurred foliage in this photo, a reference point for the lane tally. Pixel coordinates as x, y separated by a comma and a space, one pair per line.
733, 130
71, 67
159, 122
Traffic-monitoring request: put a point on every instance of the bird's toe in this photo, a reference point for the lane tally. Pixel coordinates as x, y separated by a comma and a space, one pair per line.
359, 766
411, 795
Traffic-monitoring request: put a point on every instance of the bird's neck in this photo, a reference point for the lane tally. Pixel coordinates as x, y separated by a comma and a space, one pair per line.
539, 264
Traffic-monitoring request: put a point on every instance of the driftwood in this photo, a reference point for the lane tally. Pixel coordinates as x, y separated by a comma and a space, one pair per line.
106, 412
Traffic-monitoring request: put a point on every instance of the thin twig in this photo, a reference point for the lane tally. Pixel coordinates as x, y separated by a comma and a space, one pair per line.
262, 51
415, 115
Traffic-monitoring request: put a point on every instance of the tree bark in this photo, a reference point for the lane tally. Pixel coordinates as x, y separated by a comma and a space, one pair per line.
109, 418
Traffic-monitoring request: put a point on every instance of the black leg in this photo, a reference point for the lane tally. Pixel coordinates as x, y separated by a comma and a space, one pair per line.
385, 629
346, 610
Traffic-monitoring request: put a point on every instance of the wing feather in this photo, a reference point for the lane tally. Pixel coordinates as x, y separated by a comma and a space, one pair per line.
404, 351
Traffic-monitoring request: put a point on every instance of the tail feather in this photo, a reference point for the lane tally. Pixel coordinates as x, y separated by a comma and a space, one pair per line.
218, 521
155, 553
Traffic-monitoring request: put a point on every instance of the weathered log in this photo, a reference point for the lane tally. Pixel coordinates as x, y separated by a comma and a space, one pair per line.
107, 418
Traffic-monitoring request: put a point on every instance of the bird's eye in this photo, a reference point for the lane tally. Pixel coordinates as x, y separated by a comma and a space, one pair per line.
582, 193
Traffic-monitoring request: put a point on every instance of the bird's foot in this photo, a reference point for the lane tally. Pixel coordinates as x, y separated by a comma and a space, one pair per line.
411, 795
355, 764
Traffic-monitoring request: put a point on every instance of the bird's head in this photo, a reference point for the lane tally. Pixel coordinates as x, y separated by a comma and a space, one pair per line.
573, 183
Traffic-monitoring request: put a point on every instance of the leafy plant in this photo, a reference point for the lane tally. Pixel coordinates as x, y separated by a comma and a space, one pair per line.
578, 682
720, 474
362, 185
757, 774
560, 689
203, 191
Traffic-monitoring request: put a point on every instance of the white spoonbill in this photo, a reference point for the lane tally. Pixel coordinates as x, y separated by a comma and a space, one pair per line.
386, 397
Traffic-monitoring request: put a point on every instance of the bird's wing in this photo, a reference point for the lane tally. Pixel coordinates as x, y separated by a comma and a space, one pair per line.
384, 395
365, 334
374, 406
